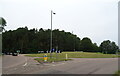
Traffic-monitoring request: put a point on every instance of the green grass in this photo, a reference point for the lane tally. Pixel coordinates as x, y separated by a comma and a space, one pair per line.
62, 56
75, 55
41, 60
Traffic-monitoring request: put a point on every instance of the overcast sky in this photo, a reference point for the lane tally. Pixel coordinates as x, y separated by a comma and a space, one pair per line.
96, 19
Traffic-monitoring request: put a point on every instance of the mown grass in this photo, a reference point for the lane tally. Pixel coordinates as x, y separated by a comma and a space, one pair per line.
41, 60
62, 56
75, 55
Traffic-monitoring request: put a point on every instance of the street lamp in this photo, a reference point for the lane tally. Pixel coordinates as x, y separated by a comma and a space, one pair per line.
51, 35
74, 42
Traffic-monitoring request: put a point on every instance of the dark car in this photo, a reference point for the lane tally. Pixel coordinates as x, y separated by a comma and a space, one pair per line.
14, 54
7, 53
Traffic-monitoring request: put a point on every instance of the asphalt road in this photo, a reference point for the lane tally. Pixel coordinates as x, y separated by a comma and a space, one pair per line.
18, 65
12, 61
83, 66
0, 65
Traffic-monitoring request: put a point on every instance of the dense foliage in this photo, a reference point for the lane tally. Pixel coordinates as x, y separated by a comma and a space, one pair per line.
88, 46
2, 21
2, 24
108, 47
33, 40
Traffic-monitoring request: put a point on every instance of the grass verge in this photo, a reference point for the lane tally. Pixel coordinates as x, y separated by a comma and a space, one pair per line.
75, 55
117, 73
62, 56
41, 60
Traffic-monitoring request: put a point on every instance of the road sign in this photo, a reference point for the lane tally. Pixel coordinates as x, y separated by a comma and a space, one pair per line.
53, 49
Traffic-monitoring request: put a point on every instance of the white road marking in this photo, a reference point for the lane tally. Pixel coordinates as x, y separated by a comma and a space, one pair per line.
25, 64
47, 64
61, 64
53, 65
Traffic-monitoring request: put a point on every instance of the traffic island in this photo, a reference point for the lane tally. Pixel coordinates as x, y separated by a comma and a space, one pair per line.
50, 60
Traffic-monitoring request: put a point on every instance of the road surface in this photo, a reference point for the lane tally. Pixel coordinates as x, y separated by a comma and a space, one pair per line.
0, 65
11, 61
18, 65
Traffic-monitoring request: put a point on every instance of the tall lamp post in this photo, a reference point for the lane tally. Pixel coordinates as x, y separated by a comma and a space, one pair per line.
51, 35
73, 43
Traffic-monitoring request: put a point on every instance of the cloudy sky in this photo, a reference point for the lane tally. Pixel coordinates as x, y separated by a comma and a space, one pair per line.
96, 19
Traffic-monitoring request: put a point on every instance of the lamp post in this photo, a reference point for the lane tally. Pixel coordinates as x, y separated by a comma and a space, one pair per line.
51, 35
74, 43
1, 29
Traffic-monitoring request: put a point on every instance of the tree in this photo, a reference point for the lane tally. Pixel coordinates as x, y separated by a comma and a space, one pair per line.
86, 45
108, 47
96, 48
2, 23
32, 41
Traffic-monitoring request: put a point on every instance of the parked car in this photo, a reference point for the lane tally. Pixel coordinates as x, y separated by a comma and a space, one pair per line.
7, 53
3, 54
14, 54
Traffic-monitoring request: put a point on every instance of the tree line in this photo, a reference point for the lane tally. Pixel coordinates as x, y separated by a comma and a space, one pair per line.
34, 40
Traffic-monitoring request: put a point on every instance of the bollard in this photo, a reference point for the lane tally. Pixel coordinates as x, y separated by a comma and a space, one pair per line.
66, 56
45, 57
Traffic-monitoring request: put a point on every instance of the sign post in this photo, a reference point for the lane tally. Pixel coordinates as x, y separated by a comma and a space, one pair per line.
18, 51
